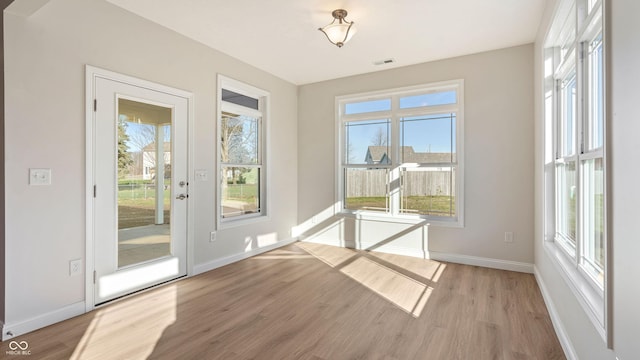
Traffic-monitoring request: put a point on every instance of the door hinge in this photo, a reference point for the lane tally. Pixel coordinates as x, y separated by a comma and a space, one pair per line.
94, 276
95, 191
95, 104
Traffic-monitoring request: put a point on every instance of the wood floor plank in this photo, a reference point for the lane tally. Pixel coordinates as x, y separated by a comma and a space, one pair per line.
311, 301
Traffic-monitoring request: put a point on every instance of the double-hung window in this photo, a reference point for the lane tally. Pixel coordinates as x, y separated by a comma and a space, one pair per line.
241, 150
401, 153
576, 133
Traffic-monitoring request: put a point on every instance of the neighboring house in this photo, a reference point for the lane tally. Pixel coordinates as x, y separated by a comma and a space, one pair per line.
378, 155
148, 169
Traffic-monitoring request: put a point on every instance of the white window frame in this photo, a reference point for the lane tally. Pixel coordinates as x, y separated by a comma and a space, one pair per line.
588, 15
395, 167
262, 113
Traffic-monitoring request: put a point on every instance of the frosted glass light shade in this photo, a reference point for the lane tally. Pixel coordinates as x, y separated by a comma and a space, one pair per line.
340, 30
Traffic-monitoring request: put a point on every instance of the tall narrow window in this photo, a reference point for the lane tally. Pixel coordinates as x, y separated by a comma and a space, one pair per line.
400, 153
575, 130
241, 149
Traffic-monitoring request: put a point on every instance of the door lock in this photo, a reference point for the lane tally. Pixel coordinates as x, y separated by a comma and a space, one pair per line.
182, 197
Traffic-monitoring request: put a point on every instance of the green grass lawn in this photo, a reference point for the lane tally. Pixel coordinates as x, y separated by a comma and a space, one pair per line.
137, 206
141, 197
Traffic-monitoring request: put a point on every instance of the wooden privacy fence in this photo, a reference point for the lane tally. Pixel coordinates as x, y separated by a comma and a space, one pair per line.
371, 183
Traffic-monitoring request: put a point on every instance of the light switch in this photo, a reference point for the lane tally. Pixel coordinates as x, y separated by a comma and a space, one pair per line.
201, 175
39, 176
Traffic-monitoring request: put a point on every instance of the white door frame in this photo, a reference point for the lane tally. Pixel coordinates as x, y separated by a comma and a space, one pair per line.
92, 73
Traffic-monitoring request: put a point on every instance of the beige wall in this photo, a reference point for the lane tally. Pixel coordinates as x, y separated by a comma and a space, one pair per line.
45, 61
498, 159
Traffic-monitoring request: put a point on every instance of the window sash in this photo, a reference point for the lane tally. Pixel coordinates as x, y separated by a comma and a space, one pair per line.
594, 130
241, 196
429, 191
568, 115
366, 189
251, 140
567, 204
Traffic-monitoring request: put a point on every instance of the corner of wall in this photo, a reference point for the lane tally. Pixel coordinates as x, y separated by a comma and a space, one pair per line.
3, 5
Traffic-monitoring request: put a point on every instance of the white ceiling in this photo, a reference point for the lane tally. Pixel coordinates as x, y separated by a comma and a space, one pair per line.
281, 36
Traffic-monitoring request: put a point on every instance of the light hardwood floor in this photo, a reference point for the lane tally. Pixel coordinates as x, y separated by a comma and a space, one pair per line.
310, 301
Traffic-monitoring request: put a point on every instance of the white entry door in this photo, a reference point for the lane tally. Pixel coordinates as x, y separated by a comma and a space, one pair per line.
140, 189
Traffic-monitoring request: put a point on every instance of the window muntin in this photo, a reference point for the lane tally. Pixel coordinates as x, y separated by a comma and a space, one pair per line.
241, 151
411, 149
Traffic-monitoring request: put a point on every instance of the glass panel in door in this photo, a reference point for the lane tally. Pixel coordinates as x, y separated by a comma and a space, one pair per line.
144, 182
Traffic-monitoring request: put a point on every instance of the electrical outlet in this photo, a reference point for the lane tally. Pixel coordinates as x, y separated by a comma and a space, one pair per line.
75, 267
212, 236
508, 237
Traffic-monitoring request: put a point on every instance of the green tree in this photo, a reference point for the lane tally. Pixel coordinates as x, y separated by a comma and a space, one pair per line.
124, 157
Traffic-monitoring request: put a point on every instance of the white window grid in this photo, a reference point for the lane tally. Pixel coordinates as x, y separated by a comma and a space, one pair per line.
395, 168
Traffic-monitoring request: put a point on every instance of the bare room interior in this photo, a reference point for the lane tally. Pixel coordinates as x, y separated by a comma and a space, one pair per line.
319, 179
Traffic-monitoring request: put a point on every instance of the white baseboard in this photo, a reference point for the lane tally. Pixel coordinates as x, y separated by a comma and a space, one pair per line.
565, 342
484, 262
208, 266
12, 330
440, 256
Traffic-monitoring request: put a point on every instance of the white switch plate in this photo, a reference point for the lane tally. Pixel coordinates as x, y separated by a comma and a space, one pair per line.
201, 175
508, 237
212, 236
39, 176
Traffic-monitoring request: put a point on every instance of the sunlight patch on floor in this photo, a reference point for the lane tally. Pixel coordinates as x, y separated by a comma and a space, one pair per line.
401, 280
116, 325
406, 293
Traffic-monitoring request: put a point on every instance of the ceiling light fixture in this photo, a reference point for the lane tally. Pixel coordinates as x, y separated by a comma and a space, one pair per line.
340, 30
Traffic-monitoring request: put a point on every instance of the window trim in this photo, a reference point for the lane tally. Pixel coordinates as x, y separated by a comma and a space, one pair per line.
394, 115
263, 113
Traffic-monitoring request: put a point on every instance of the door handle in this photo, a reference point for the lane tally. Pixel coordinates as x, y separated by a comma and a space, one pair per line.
182, 197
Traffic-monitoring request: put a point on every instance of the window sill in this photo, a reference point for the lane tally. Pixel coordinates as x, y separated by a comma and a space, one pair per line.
401, 219
591, 299
242, 221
